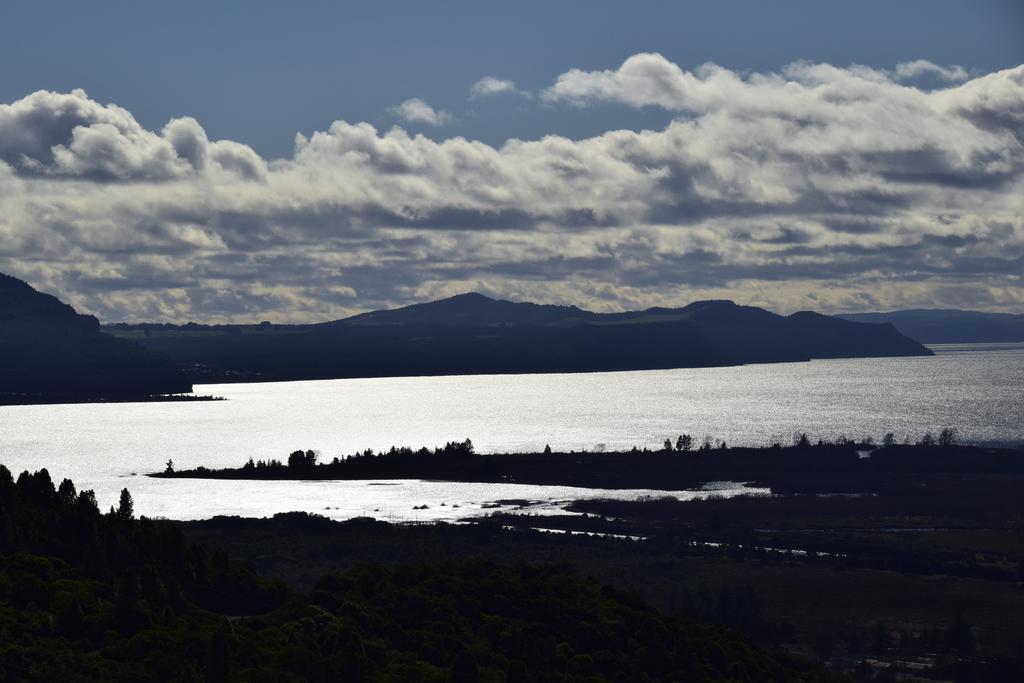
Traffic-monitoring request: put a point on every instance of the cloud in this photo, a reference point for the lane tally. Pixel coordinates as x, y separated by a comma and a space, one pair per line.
815, 187
489, 86
920, 67
418, 111
72, 136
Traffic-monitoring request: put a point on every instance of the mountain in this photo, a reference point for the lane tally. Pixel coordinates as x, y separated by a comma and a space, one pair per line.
472, 309
938, 326
475, 334
49, 352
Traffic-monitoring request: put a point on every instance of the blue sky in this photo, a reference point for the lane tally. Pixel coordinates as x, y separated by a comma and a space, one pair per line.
258, 72
302, 161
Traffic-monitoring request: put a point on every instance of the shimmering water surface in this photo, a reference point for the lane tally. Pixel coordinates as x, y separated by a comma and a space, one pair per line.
976, 388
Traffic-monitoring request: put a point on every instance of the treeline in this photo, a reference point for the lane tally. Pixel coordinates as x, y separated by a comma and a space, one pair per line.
86, 595
844, 465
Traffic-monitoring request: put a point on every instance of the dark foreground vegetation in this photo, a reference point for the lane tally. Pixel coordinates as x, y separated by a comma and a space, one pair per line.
88, 596
886, 561
474, 334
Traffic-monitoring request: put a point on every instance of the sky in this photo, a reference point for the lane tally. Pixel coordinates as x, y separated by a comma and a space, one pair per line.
308, 160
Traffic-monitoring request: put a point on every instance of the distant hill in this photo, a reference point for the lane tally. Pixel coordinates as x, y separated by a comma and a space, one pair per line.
475, 334
50, 352
938, 326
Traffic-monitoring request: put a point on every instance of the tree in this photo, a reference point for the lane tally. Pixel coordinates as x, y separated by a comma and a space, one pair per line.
927, 440
801, 440
66, 494
170, 467
684, 443
889, 440
302, 459
547, 449
125, 507
948, 437
87, 501
667, 445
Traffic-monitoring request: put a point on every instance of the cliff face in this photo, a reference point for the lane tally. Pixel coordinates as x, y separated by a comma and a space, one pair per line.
49, 352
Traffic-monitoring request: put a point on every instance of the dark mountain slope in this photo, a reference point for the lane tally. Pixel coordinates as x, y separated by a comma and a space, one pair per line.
49, 352
950, 326
474, 334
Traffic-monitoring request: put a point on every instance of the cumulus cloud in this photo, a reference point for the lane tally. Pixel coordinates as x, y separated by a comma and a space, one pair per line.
922, 67
489, 86
72, 136
816, 187
418, 111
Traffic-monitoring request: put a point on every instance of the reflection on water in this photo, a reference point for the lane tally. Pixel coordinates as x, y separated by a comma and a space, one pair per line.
976, 389
407, 500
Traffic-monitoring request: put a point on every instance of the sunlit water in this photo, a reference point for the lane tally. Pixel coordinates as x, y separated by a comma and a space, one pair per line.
976, 388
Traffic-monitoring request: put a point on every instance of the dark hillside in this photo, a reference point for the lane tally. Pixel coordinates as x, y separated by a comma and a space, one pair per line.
950, 326
50, 352
474, 334
91, 596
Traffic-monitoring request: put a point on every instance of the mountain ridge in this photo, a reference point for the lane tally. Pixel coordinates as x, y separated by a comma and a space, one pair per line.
472, 333
949, 326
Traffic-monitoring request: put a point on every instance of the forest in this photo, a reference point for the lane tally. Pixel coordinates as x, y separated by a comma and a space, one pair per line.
91, 595
879, 559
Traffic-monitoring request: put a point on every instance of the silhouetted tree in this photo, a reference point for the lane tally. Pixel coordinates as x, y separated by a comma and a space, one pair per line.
684, 443
547, 449
7, 487
889, 440
948, 436
66, 494
927, 440
87, 501
170, 466
302, 460
125, 507
667, 446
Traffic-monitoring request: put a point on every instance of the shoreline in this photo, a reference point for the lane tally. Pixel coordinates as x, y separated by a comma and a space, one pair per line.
64, 400
847, 467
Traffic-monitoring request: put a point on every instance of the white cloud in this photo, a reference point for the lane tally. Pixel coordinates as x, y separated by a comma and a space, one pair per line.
922, 67
824, 187
70, 135
418, 111
489, 86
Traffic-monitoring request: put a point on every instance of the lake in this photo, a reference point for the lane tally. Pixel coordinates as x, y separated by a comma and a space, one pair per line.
975, 388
